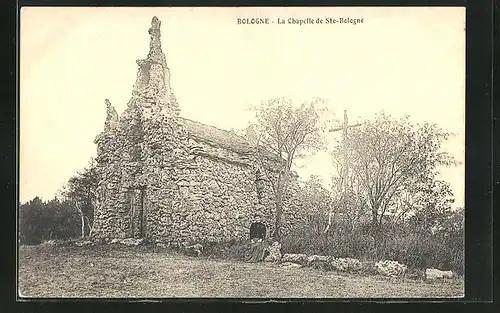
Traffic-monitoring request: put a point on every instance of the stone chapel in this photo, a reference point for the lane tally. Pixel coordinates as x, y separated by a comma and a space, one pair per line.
171, 179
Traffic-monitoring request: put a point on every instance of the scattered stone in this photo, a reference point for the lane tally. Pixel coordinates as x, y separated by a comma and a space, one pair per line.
83, 243
345, 264
49, 243
256, 240
432, 274
320, 258
295, 258
195, 249
132, 241
274, 252
390, 268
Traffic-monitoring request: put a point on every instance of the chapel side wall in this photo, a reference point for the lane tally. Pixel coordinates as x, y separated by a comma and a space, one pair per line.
216, 198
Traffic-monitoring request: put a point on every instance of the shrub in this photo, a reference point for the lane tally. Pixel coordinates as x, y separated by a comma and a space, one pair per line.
406, 243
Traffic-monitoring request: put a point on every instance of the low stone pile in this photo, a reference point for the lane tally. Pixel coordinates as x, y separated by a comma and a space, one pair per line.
323, 262
274, 251
432, 274
316, 258
83, 243
319, 262
195, 249
345, 264
294, 258
390, 268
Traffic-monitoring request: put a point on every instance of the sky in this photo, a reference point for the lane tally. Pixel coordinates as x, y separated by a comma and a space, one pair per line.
405, 61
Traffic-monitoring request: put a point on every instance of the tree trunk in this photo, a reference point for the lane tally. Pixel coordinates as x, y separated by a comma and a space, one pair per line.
329, 222
83, 223
374, 217
82, 218
279, 213
375, 224
88, 225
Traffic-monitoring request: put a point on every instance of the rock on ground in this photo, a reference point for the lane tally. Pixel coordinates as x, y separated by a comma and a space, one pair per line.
83, 243
432, 273
195, 249
274, 252
295, 258
390, 268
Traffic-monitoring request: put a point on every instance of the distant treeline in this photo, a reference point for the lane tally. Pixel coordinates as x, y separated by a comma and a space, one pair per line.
68, 216
40, 221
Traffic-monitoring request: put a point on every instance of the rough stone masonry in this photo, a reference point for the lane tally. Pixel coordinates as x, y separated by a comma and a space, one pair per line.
170, 179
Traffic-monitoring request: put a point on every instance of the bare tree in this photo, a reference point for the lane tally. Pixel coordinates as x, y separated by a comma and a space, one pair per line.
289, 132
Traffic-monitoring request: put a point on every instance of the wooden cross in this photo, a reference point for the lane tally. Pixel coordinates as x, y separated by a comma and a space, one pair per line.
344, 128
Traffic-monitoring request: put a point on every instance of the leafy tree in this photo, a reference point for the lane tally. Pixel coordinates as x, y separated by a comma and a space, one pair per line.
317, 201
289, 132
315, 195
392, 160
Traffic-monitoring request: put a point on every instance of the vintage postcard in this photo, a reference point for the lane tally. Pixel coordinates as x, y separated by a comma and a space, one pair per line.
236, 152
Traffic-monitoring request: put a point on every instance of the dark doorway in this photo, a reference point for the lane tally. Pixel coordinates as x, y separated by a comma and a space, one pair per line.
258, 230
137, 213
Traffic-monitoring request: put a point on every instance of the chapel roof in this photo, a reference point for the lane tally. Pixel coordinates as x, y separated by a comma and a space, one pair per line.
217, 136
221, 138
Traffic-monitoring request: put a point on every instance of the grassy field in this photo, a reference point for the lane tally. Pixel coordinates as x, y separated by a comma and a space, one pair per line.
120, 271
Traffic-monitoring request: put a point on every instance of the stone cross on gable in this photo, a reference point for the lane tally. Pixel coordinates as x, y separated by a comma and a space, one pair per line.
155, 39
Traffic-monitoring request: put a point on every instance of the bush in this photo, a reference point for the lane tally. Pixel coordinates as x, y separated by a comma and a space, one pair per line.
405, 243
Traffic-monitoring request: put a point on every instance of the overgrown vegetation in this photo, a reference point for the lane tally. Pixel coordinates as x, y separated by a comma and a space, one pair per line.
410, 243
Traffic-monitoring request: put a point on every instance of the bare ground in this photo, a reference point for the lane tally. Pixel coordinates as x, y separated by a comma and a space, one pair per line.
122, 272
